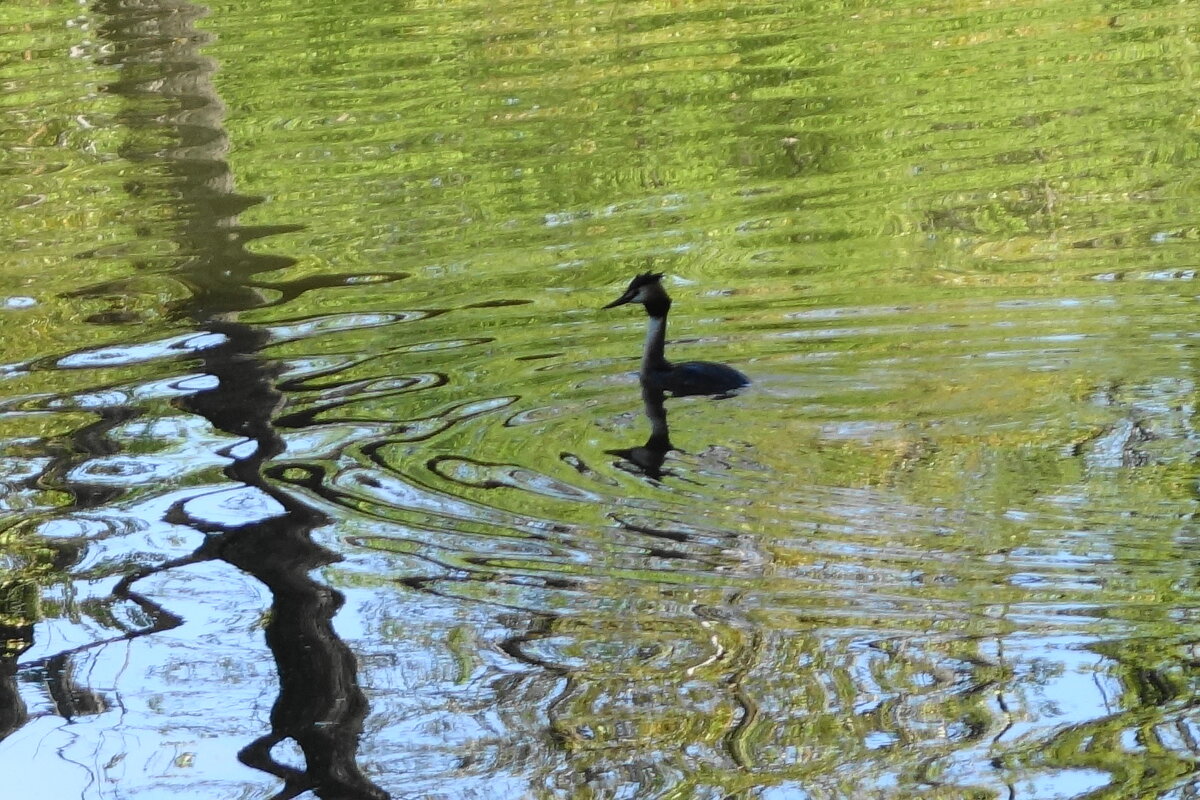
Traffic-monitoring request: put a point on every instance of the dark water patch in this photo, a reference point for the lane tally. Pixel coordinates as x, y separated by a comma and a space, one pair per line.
498, 303
287, 291
392, 455
539, 356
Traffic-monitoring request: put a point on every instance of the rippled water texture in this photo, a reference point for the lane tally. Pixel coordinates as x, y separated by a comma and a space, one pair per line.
323, 474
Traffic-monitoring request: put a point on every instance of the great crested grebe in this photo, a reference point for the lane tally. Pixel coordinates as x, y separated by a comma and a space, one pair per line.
690, 377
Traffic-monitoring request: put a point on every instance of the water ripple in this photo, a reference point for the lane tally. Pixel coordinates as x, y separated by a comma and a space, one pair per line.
123, 355
939, 549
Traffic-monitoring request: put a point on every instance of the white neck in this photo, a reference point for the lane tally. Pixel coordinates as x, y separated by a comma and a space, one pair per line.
653, 357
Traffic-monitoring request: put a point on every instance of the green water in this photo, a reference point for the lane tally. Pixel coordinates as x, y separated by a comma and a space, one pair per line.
319, 466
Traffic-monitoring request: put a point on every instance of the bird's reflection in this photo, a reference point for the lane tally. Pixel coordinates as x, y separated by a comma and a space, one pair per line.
649, 457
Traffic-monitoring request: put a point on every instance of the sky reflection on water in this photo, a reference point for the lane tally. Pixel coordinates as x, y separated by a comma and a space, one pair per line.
322, 476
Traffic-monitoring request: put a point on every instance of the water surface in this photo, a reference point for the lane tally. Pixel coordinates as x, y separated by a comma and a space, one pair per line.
323, 474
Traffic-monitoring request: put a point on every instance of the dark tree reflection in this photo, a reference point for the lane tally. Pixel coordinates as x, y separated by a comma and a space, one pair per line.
173, 122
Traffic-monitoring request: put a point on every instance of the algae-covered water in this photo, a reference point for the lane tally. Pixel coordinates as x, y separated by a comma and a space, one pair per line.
323, 475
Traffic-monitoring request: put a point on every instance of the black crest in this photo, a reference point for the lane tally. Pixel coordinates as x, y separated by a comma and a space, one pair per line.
642, 280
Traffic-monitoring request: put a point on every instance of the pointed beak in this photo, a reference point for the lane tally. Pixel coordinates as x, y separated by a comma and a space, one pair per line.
620, 301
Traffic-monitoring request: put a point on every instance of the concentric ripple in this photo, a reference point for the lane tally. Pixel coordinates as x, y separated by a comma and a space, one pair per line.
323, 470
